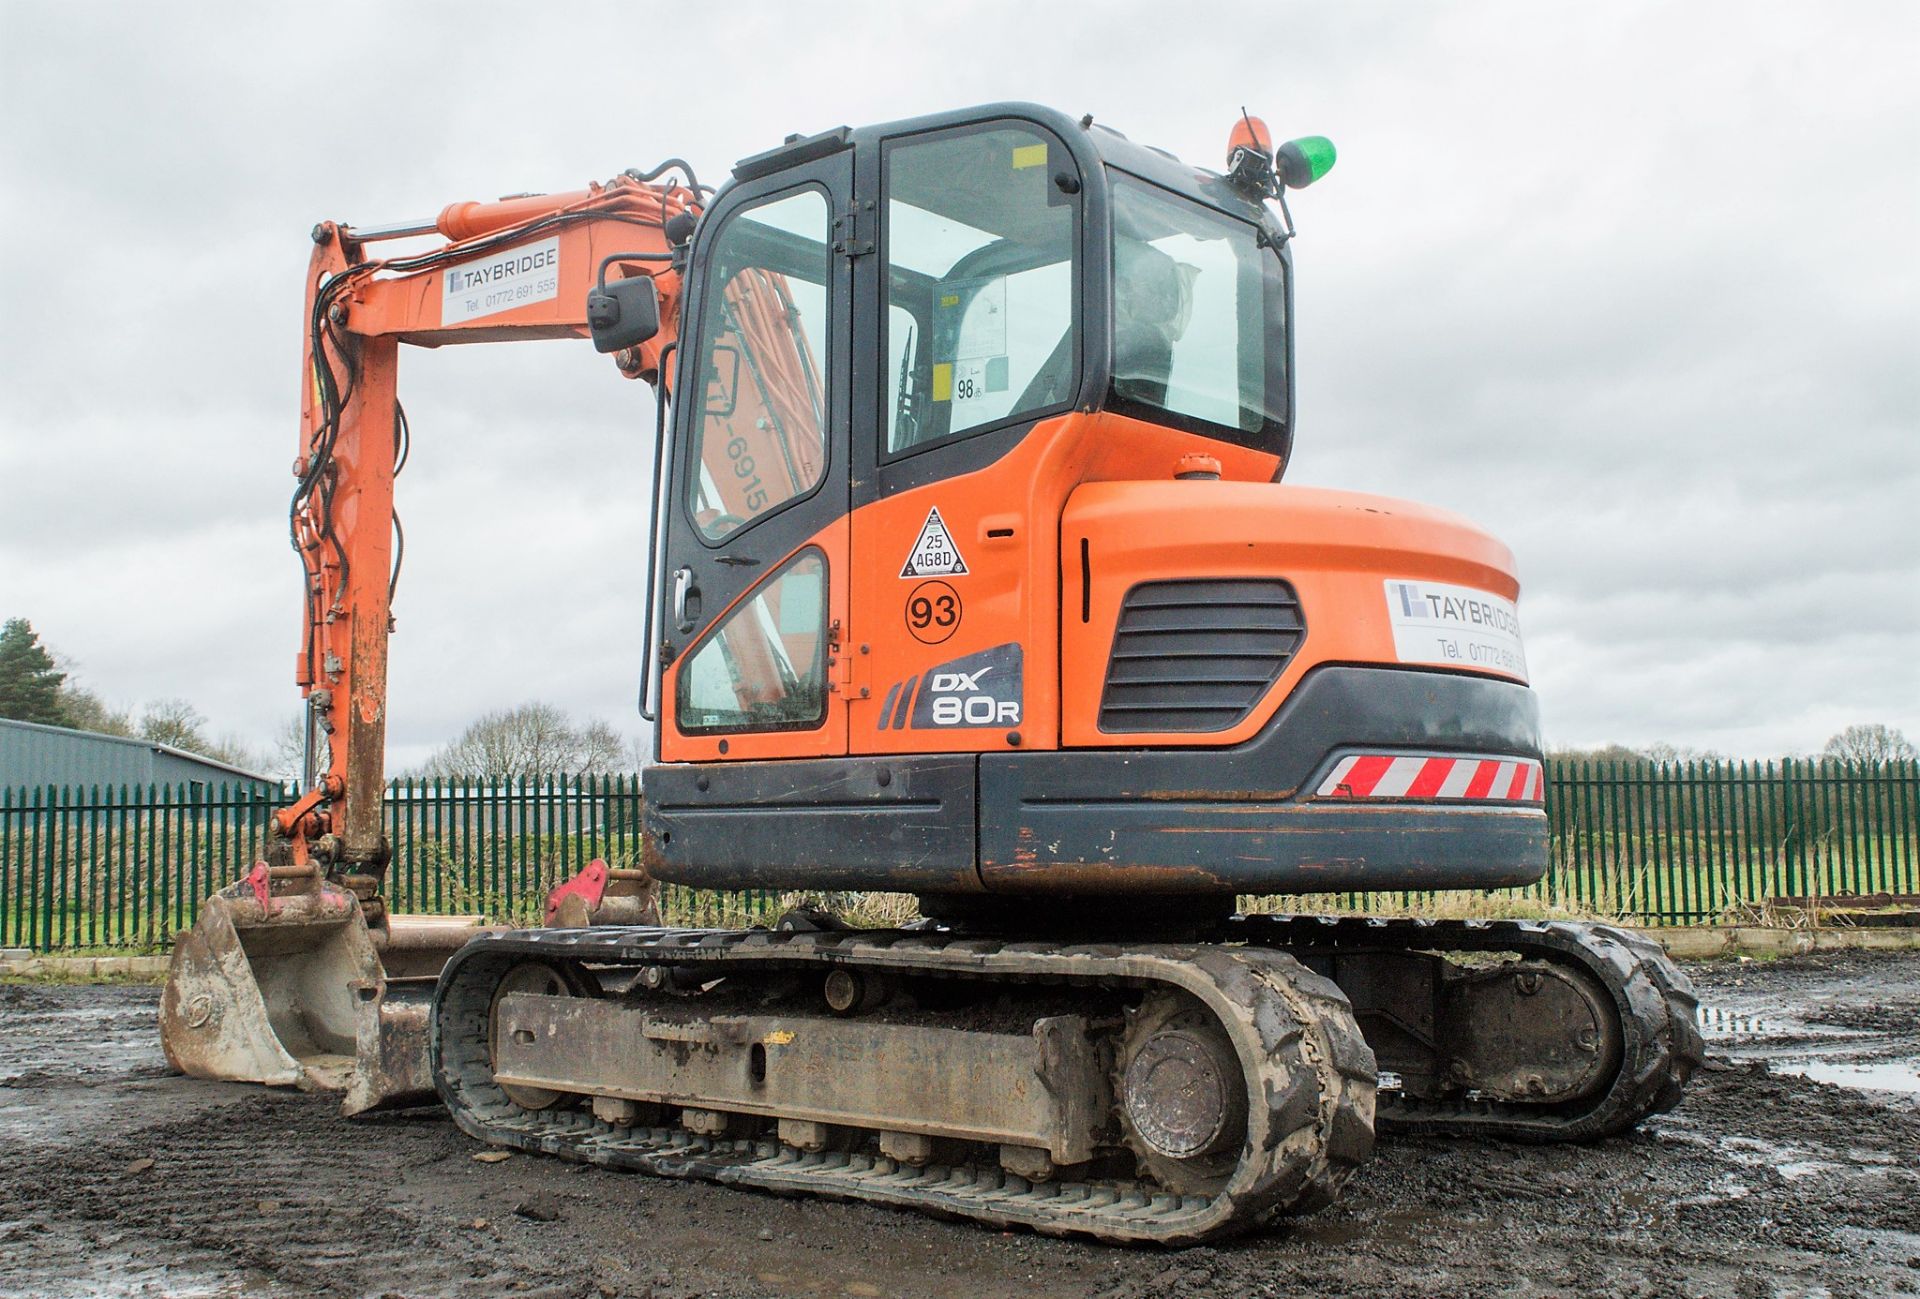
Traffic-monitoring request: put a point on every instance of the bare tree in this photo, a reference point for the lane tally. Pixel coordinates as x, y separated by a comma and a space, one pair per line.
601, 748
290, 748
178, 724
534, 739
174, 722
235, 750
1663, 751
1870, 742
87, 711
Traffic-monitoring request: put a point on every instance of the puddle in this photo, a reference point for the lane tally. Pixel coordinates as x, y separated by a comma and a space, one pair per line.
1795, 1169
1901, 1076
70, 1263
1790, 1161
1715, 1023
1751, 1152
82, 1045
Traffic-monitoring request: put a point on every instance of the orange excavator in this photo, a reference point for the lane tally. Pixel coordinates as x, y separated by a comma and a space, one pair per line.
973, 577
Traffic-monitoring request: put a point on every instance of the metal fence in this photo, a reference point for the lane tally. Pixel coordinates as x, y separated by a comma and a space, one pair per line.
1659, 843
1698, 842
125, 868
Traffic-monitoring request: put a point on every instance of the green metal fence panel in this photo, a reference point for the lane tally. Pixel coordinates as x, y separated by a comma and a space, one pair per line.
1652, 843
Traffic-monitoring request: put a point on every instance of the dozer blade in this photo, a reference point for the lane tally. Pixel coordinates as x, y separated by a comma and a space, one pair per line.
292, 991
391, 1068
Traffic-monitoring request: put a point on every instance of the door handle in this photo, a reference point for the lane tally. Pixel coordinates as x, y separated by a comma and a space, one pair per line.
686, 600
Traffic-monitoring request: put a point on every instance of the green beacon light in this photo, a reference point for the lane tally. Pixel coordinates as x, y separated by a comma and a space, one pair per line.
1305, 160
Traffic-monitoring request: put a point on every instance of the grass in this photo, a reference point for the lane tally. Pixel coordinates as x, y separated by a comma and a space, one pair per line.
66, 977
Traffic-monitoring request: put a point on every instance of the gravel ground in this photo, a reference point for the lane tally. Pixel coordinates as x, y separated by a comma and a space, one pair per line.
1790, 1170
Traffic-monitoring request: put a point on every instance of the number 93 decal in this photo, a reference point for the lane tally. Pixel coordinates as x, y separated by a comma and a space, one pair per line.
933, 612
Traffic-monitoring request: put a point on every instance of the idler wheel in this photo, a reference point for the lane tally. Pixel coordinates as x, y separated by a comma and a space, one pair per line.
537, 977
1182, 1095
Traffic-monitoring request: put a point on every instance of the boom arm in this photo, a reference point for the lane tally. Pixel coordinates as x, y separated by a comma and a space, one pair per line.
517, 269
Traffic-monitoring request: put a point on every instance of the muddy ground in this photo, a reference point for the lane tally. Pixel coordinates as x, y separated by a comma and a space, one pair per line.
1792, 1169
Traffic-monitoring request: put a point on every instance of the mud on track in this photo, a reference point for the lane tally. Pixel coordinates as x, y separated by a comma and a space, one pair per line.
1764, 1183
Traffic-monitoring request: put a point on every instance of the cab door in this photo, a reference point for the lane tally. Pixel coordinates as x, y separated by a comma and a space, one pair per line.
754, 593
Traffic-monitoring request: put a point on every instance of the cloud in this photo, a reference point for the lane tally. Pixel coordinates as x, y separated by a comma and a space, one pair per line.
1631, 285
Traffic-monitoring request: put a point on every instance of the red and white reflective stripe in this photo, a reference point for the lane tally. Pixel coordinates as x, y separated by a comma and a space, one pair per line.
1424, 776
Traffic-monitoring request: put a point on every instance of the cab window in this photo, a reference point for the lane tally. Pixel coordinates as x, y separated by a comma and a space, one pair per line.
763, 667
760, 440
980, 282
1199, 317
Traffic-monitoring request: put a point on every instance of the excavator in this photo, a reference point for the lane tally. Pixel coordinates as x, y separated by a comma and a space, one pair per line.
973, 577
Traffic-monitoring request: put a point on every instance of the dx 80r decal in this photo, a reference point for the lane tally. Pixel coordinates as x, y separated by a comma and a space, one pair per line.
976, 690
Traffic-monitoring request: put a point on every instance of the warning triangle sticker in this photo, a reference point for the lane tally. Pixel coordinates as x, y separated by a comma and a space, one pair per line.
933, 553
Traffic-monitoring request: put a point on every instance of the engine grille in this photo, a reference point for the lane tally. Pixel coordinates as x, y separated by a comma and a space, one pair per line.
1197, 655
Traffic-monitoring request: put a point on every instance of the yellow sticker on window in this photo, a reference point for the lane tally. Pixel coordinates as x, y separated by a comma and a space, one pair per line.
943, 381
1029, 155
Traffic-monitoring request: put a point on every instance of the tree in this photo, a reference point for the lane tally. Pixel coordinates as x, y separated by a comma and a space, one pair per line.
179, 725
174, 722
1662, 751
235, 751
29, 680
290, 748
86, 711
534, 739
1616, 753
1870, 742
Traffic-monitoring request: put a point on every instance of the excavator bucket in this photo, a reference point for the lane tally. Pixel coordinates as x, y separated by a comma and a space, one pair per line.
299, 991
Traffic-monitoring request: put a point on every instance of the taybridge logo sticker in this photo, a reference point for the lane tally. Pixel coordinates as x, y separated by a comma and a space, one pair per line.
529, 273
1459, 626
977, 690
933, 553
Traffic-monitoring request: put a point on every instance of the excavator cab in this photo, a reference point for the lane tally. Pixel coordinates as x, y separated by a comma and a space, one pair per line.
973, 557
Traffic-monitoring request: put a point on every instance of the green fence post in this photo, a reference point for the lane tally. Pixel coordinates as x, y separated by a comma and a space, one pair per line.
1906, 826
8, 876
43, 829
495, 890
390, 823
63, 869
1878, 828
467, 843
88, 833
1793, 830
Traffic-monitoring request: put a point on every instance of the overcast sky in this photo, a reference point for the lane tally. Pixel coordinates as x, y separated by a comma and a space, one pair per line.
1635, 286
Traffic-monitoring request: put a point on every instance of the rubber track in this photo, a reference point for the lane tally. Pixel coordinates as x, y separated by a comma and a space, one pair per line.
1661, 1047
1311, 1084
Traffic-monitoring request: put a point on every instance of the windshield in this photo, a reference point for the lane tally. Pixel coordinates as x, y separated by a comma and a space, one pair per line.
1199, 318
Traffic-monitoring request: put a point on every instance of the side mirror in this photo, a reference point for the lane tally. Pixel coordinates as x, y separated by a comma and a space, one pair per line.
625, 313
